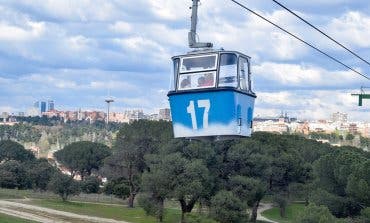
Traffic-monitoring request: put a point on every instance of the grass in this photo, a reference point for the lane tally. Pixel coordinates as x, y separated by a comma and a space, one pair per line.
10, 219
291, 212
117, 212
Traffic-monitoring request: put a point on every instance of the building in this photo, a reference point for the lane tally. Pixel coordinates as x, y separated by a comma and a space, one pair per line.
51, 105
43, 107
164, 114
339, 117
40, 107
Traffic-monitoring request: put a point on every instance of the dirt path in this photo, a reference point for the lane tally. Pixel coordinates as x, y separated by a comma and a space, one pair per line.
263, 207
46, 215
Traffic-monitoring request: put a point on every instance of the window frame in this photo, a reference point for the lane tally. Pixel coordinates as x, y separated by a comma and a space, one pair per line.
198, 56
213, 72
175, 74
248, 77
219, 69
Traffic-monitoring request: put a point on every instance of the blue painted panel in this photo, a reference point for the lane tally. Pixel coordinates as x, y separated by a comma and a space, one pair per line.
211, 113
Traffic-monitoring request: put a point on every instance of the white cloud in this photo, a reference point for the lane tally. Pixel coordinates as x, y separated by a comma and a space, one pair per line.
304, 76
353, 28
15, 33
311, 104
121, 27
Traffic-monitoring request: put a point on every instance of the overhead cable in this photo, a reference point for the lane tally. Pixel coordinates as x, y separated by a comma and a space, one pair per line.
322, 32
300, 39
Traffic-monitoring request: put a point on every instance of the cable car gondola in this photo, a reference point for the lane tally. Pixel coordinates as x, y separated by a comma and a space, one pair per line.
211, 94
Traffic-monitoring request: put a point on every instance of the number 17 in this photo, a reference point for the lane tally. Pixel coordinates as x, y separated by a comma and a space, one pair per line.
191, 110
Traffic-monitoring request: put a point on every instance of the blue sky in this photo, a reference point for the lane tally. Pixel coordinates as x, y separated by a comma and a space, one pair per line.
78, 52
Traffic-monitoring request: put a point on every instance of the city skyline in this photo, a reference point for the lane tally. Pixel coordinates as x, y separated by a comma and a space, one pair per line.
79, 53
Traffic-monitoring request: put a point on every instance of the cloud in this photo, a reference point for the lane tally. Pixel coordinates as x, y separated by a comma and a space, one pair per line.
281, 75
352, 28
311, 105
78, 52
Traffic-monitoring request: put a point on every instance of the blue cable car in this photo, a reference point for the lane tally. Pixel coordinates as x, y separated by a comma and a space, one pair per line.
211, 94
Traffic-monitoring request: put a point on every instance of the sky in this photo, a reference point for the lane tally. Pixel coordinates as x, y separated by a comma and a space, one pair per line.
78, 53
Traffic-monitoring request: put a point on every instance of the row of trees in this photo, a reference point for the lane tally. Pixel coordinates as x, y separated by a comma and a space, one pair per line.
226, 177
229, 176
20, 169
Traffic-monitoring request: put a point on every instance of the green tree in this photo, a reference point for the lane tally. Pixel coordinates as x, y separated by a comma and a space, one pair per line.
83, 157
90, 185
250, 190
10, 150
124, 170
40, 172
349, 136
316, 214
13, 174
134, 141
227, 208
64, 186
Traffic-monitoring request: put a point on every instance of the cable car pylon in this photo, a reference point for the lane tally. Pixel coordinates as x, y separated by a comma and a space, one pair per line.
362, 95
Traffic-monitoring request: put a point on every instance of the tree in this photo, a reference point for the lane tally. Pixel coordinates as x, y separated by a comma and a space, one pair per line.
134, 141
90, 185
13, 174
83, 157
250, 190
64, 186
316, 214
40, 172
227, 208
342, 178
281, 201
123, 167
191, 184
10, 150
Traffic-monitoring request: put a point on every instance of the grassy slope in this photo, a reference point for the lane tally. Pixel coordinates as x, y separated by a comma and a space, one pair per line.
9, 219
292, 211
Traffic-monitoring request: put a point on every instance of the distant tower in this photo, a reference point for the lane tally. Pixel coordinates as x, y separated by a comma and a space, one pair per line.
108, 101
50, 105
43, 107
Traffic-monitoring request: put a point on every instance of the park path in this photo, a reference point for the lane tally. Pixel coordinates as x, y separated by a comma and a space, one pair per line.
263, 207
47, 215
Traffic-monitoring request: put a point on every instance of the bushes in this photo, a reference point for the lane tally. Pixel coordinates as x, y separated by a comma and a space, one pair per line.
91, 185
227, 208
316, 214
64, 186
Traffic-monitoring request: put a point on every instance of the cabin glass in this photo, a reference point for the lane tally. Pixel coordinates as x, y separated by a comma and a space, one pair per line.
198, 63
199, 80
244, 74
175, 70
228, 70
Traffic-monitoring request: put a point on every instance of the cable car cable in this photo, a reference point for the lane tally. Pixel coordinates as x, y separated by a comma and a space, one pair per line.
298, 38
322, 32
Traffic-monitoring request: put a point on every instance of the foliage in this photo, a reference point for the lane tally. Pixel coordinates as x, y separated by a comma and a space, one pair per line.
149, 205
248, 190
134, 141
316, 214
342, 177
10, 150
227, 208
117, 187
64, 186
20, 132
13, 174
83, 157
40, 172
91, 184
